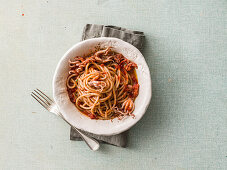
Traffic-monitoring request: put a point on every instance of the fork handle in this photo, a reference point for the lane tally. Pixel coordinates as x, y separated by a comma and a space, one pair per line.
91, 142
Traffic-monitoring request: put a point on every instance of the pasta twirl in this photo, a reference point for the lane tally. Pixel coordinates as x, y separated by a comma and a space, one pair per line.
103, 85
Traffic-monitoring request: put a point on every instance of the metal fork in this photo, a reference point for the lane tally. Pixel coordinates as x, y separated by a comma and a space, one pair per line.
51, 106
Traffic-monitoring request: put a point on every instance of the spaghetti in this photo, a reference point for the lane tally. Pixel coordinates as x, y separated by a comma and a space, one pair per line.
103, 85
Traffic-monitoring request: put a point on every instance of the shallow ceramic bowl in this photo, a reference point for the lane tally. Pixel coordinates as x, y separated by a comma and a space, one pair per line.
101, 127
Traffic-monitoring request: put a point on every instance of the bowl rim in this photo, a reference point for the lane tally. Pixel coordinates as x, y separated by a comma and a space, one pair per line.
142, 112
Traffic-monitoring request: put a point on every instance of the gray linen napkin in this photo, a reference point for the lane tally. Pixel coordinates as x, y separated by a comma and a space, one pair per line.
135, 38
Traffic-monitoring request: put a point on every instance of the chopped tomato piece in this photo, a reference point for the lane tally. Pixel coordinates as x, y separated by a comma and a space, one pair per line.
92, 116
135, 88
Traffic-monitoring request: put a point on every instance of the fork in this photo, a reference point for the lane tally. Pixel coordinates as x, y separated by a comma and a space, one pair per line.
51, 106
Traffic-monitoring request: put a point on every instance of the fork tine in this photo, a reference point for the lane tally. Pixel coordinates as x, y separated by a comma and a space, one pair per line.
39, 100
45, 95
42, 97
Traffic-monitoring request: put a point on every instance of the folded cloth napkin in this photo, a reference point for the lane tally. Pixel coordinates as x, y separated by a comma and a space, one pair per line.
135, 38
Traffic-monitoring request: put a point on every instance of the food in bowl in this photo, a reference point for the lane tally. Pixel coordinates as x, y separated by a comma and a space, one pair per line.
73, 115
103, 85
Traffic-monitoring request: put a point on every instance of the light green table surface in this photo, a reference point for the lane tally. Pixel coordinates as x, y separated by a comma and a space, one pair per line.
185, 126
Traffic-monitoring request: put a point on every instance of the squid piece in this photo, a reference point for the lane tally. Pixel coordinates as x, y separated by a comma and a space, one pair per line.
97, 84
128, 106
126, 109
105, 52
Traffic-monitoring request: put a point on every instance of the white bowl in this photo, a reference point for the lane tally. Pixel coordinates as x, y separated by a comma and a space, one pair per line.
101, 127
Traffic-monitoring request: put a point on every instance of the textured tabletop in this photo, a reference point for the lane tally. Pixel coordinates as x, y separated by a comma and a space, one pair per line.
185, 126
